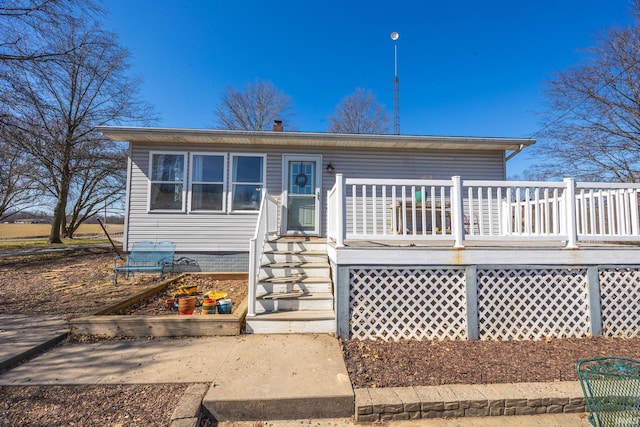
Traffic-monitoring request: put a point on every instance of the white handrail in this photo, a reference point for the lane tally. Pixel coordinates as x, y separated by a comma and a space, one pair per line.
267, 224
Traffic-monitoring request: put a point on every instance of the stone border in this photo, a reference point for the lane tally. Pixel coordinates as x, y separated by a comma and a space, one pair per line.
105, 323
462, 400
189, 411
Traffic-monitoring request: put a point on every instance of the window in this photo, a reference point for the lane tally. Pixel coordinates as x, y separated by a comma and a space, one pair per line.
167, 181
247, 181
207, 182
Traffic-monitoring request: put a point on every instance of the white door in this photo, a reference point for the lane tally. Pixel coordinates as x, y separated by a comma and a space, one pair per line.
301, 194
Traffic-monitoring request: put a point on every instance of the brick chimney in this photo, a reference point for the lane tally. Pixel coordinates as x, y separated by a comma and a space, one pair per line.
277, 126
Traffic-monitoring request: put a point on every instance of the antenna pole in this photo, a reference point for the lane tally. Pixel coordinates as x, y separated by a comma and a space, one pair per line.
396, 85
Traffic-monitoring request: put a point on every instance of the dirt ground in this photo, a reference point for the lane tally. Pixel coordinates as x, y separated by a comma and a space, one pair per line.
235, 290
79, 283
68, 284
72, 285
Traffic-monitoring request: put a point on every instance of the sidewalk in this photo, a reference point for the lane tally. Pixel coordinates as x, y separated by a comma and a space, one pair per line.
270, 377
23, 336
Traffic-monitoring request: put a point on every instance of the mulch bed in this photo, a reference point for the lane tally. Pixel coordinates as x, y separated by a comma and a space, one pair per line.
418, 363
89, 405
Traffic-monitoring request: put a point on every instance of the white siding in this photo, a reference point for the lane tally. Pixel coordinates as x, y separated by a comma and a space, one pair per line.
214, 232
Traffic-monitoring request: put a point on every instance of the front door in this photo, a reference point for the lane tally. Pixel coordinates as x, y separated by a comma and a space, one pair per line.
301, 196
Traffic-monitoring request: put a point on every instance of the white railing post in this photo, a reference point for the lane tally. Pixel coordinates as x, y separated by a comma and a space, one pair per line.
570, 213
457, 212
633, 196
340, 220
251, 298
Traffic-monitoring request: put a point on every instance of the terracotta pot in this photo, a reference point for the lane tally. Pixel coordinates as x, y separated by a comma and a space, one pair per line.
186, 305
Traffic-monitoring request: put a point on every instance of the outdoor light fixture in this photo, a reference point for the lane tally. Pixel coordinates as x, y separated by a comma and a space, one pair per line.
330, 168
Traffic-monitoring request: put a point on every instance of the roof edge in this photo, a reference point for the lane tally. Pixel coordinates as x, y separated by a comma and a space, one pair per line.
150, 134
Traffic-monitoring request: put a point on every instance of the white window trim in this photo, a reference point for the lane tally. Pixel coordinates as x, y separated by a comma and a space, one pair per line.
225, 180
150, 181
231, 182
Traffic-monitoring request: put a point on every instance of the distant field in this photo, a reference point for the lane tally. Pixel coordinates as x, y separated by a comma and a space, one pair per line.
21, 231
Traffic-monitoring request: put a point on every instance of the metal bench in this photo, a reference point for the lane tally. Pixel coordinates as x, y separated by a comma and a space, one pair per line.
611, 387
145, 257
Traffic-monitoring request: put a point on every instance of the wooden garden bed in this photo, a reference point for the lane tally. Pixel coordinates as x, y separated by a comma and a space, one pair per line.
110, 322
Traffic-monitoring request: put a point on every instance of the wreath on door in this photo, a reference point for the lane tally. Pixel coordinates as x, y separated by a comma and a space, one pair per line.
301, 180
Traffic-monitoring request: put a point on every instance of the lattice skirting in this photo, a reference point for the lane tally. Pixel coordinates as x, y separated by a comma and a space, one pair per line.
533, 304
394, 304
620, 301
511, 304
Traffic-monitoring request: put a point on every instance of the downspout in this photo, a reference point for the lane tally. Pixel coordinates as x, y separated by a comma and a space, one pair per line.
514, 153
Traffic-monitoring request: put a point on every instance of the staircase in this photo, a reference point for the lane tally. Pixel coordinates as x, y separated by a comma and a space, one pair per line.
294, 293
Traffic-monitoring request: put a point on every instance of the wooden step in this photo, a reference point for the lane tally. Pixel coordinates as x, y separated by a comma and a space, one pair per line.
291, 284
301, 269
293, 256
292, 245
294, 301
287, 322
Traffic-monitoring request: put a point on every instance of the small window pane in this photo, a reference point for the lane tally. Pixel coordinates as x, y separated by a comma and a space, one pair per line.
208, 168
207, 197
246, 197
247, 169
167, 167
166, 196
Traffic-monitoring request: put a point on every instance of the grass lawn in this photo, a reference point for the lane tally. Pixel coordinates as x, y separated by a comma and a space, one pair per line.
29, 236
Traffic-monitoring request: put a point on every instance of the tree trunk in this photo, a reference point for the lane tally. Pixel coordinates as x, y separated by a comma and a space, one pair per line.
56, 222
59, 212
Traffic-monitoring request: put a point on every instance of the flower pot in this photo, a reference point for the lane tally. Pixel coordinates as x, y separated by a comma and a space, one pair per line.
186, 305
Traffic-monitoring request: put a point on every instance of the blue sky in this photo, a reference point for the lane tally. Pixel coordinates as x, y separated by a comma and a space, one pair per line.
466, 68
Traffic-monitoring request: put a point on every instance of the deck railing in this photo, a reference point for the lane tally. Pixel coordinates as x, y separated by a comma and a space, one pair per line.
267, 224
567, 211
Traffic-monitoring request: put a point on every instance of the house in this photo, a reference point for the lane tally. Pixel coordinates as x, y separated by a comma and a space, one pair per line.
388, 236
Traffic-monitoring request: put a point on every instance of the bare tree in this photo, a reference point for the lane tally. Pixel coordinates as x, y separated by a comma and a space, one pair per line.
26, 25
17, 190
99, 181
592, 128
254, 109
359, 112
58, 103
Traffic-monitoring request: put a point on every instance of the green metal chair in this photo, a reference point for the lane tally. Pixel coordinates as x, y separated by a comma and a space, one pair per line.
611, 387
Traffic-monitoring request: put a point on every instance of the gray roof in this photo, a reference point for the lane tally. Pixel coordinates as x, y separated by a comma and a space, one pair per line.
310, 139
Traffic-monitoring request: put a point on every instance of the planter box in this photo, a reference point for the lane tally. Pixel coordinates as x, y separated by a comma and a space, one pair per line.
105, 322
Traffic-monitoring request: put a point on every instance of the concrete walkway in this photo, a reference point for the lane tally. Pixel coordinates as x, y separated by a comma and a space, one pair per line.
557, 420
260, 377
23, 336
